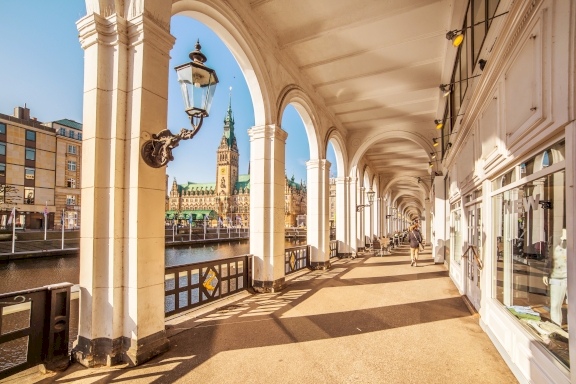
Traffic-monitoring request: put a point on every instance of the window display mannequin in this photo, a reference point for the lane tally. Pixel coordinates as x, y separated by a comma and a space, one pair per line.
557, 282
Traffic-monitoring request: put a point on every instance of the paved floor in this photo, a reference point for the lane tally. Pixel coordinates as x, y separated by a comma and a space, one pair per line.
367, 320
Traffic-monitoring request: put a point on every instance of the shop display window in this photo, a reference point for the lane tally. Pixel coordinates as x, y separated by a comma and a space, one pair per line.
530, 276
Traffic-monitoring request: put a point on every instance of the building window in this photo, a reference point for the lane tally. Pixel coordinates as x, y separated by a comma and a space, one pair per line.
30, 154
3, 149
71, 183
28, 195
2, 128
29, 173
71, 165
71, 134
31, 135
2, 169
72, 149
70, 200
62, 132
79, 136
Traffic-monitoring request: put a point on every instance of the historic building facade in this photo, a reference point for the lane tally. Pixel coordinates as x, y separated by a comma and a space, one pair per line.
229, 197
39, 170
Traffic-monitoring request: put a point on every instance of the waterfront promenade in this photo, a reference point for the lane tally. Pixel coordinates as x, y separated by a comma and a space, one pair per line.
365, 320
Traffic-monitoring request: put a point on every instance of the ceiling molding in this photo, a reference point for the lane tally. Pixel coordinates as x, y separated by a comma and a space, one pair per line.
384, 94
415, 101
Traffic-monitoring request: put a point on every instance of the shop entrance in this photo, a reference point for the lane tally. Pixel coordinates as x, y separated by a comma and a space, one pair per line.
475, 237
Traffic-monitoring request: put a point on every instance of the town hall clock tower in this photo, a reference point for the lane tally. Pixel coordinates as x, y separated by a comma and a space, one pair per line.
227, 158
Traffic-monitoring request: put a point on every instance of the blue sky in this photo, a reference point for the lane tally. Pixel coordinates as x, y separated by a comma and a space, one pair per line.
45, 71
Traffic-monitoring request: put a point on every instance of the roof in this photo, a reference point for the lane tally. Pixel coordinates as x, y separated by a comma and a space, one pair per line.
243, 182
69, 123
196, 187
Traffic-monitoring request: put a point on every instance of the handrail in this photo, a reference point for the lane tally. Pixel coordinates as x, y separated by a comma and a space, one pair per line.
478, 261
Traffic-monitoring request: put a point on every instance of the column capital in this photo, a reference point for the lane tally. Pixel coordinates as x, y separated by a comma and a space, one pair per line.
267, 132
94, 29
157, 36
341, 179
318, 163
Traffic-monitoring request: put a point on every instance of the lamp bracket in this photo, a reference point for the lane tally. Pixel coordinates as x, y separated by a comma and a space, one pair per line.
157, 151
359, 208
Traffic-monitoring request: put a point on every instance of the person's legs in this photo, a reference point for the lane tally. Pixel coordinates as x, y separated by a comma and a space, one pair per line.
415, 256
412, 256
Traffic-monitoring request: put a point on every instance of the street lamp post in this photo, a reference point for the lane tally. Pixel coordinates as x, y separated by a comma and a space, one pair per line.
198, 84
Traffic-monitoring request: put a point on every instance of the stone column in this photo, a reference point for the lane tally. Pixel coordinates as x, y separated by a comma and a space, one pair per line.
122, 234
267, 147
342, 214
441, 238
362, 220
428, 220
317, 217
351, 183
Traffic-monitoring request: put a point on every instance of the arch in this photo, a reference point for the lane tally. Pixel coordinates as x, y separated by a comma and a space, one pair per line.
246, 52
293, 94
335, 137
412, 136
410, 179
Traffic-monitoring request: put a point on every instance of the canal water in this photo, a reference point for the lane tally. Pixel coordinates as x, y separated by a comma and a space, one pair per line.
18, 275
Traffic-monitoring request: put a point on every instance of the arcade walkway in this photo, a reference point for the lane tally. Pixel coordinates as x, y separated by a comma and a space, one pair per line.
367, 320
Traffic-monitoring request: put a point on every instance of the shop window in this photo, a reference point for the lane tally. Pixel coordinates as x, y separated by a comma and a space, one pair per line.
31, 135
504, 180
550, 156
29, 173
70, 200
2, 169
28, 195
2, 129
30, 154
71, 165
3, 149
456, 231
72, 149
531, 260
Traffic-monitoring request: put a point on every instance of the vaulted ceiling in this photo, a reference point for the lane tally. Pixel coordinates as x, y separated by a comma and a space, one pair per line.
376, 63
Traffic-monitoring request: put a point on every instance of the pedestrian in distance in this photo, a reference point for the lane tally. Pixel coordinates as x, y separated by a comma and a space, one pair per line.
414, 238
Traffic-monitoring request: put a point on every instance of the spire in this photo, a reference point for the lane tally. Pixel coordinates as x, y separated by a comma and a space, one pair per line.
229, 122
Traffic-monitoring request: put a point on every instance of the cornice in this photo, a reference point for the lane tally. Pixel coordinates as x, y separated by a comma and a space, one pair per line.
519, 17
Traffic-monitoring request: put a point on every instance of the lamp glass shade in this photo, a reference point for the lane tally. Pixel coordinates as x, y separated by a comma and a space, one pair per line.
439, 125
197, 84
370, 194
458, 40
436, 144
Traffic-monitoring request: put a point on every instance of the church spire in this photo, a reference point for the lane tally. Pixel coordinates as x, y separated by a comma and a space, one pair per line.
229, 122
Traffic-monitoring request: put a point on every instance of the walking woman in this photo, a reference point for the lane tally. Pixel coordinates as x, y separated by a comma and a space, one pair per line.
414, 238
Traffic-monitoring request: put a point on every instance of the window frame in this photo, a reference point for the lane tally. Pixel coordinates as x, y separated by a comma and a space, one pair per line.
32, 133
32, 150
71, 164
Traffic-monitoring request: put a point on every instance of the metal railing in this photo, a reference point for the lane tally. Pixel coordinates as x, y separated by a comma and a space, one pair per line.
34, 328
191, 285
333, 248
296, 258
184, 235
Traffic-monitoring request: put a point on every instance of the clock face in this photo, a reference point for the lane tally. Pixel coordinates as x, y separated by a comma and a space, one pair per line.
222, 170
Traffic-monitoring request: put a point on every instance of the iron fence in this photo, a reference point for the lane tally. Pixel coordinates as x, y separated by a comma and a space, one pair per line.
34, 328
333, 248
191, 285
296, 258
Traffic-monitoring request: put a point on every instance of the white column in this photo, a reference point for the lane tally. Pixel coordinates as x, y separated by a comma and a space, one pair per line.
361, 219
122, 234
427, 220
342, 214
267, 148
440, 236
351, 183
318, 185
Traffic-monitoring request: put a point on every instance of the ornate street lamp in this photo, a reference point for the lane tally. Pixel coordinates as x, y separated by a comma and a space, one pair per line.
370, 194
198, 84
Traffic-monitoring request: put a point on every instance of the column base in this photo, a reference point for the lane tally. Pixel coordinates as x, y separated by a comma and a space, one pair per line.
320, 265
269, 286
122, 350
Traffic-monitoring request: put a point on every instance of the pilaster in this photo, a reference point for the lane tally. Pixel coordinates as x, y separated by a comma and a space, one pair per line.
342, 215
440, 236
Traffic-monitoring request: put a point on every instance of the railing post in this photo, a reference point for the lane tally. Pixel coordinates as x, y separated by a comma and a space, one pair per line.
55, 343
